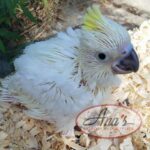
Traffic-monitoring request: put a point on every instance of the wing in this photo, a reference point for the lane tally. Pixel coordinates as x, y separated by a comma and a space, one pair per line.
44, 82
57, 100
53, 50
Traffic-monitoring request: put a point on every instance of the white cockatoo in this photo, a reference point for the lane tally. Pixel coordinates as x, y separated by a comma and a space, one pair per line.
57, 78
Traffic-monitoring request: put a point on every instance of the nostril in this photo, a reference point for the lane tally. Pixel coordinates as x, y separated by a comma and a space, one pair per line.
124, 52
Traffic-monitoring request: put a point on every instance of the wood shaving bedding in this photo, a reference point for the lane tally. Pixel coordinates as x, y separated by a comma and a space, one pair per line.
19, 132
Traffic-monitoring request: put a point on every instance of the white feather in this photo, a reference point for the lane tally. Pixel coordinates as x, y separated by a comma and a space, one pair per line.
45, 84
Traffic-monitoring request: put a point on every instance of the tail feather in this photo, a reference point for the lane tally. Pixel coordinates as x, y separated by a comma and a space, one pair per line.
33, 108
4, 92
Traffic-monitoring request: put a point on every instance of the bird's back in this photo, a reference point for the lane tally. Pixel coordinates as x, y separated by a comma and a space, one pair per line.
44, 80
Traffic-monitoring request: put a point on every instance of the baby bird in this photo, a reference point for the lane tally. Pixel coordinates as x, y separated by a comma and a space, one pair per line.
57, 78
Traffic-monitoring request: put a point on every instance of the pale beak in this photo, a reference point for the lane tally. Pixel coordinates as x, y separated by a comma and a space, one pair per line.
127, 64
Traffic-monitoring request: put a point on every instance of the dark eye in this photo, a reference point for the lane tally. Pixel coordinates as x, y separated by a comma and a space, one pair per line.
101, 56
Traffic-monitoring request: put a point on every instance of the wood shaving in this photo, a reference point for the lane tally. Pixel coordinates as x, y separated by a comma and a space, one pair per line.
84, 140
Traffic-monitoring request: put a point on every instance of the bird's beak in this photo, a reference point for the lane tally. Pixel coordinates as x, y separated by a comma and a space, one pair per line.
127, 64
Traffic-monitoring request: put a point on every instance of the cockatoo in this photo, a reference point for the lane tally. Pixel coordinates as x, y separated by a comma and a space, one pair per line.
57, 78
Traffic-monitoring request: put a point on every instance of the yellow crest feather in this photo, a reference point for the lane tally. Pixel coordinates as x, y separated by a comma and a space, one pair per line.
93, 19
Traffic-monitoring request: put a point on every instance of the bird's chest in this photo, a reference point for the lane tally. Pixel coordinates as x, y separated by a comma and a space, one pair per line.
81, 101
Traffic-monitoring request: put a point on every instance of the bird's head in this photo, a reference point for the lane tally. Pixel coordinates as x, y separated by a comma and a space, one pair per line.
106, 48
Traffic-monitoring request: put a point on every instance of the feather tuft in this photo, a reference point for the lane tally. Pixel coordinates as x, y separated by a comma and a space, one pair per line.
93, 19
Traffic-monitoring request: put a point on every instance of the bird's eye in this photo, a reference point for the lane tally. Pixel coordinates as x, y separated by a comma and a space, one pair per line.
102, 56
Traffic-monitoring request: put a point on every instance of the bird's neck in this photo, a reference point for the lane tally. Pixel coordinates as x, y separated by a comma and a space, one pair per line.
87, 80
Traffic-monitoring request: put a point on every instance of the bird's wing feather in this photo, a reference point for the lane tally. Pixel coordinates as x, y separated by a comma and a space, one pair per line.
43, 85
